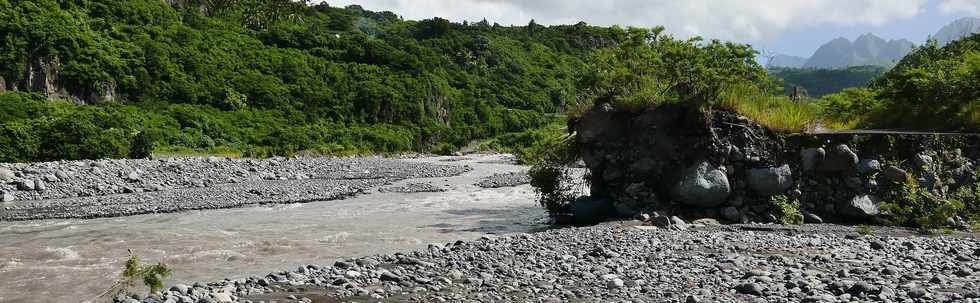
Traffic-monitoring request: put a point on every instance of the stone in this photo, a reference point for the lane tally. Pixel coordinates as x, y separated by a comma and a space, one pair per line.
6, 175
859, 207
894, 174
840, 159
388, 276
7, 197
615, 283
702, 185
643, 166
133, 176
749, 289
854, 183
180, 288
39, 185
859, 288
868, 166
770, 181
61, 175
730, 214
811, 218
706, 222
223, 297
917, 292
811, 157
963, 272
923, 160
25, 185
877, 245
678, 223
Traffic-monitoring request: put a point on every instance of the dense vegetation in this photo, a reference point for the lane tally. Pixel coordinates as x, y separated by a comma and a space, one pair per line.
271, 77
822, 82
933, 88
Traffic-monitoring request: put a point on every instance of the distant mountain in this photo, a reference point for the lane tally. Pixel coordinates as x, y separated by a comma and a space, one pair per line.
866, 50
957, 30
787, 61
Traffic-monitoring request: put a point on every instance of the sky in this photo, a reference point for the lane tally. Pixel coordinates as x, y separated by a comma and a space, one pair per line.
791, 27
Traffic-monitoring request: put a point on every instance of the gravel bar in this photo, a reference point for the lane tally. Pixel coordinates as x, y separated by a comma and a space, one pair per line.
620, 262
111, 188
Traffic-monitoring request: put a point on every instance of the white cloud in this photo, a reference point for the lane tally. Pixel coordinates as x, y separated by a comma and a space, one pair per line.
742, 20
960, 6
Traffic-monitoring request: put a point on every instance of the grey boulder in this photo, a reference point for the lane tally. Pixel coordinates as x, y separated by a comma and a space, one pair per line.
868, 166
923, 160
770, 181
894, 174
702, 185
25, 185
810, 157
840, 159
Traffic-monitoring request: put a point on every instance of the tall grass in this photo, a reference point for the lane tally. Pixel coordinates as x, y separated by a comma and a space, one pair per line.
775, 112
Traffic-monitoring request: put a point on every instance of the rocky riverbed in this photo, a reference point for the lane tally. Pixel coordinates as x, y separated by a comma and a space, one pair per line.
628, 262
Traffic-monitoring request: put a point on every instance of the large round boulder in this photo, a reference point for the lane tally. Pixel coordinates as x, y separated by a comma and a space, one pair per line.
770, 181
703, 185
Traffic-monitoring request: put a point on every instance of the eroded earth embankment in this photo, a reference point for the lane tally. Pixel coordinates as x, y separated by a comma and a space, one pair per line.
722, 165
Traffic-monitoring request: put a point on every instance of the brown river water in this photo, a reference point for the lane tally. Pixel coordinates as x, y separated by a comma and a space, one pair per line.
74, 260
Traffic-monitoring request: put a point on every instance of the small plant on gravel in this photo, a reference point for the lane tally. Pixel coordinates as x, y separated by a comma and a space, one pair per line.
787, 209
864, 230
135, 270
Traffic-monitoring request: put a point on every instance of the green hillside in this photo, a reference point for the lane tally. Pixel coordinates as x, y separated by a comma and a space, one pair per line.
270, 77
821, 82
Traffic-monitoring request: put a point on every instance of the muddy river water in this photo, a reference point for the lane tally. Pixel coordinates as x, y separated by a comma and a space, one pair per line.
74, 260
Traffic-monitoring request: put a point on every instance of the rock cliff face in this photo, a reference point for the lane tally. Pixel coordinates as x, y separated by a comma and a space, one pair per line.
957, 30
722, 165
41, 76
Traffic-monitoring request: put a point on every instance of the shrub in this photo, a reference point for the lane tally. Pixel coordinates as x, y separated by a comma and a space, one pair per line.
864, 230
142, 145
151, 275
848, 107
552, 179
788, 210
914, 206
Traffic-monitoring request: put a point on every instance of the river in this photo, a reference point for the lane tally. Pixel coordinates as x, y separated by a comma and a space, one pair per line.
74, 260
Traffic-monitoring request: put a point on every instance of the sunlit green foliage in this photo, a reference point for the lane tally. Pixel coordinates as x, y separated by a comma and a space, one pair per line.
651, 68
274, 77
775, 112
787, 209
911, 204
933, 88
150, 275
